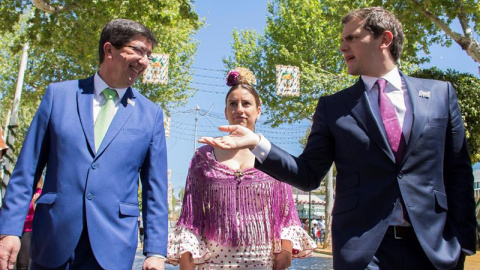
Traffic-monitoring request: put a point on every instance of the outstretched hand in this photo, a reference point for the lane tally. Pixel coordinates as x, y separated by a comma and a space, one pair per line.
240, 137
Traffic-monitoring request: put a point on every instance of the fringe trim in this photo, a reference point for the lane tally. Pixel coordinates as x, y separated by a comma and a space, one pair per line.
235, 208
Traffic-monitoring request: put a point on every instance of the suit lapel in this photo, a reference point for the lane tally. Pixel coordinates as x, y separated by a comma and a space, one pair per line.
362, 112
85, 110
124, 111
420, 111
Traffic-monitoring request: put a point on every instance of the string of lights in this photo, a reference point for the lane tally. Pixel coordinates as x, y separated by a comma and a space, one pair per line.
188, 125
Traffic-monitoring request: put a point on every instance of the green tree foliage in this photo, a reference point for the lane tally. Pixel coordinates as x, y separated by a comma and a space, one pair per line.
467, 89
433, 20
301, 33
305, 33
63, 39
428, 21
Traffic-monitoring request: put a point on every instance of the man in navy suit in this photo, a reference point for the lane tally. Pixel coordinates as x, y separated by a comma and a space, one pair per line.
86, 216
406, 206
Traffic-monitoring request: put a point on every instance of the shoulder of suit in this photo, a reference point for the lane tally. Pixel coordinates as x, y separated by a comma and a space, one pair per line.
140, 98
66, 87
345, 91
67, 83
425, 81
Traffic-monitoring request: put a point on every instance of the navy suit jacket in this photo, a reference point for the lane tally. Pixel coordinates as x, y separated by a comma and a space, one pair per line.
83, 187
434, 178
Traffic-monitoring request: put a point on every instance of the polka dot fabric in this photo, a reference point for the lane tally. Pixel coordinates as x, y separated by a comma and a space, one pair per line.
212, 255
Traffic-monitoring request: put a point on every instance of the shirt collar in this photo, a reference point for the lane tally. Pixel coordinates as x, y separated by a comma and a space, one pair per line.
393, 77
99, 85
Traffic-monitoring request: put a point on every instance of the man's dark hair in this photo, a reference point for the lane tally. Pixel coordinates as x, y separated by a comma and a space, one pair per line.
121, 31
377, 20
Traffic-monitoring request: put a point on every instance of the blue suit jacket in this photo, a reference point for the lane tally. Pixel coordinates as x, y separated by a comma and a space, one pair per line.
434, 178
84, 187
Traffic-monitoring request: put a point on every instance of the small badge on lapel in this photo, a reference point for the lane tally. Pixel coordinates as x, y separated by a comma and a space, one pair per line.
424, 94
131, 102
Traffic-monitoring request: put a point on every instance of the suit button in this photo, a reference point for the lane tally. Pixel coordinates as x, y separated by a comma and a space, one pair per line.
94, 166
400, 175
89, 196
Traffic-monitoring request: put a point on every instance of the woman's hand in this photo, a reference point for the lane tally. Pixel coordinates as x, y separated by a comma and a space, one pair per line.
186, 261
282, 260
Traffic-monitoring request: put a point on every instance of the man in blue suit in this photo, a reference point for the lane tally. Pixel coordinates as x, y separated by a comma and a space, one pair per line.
404, 188
86, 216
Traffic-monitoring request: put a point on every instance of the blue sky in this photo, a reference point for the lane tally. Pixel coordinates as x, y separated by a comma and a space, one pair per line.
222, 17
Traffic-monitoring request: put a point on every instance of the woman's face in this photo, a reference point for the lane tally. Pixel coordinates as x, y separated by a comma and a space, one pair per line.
241, 108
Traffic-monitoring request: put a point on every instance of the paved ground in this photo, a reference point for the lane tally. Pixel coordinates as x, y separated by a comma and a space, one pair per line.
322, 260
317, 262
473, 262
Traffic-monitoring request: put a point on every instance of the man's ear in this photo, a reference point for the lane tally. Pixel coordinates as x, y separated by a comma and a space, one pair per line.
107, 49
387, 38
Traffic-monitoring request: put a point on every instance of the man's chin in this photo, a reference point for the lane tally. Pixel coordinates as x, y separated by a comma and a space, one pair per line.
130, 81
353, 72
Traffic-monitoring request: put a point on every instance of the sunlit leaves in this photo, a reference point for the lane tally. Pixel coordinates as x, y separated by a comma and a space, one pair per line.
305, 33
64, 45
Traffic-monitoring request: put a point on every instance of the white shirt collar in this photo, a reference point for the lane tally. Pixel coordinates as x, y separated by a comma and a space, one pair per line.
99, 85
393, 77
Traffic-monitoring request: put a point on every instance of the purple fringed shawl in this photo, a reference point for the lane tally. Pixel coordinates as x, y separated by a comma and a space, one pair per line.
234, 208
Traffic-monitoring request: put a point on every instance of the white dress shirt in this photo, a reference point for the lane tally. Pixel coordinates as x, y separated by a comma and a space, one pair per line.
396, 90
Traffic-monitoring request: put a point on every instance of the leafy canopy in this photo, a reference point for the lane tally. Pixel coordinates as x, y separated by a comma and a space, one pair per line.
63, 44
305, 33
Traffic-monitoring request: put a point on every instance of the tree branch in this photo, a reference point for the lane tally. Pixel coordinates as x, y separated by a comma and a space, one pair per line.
47, 8
462, 18
467, 43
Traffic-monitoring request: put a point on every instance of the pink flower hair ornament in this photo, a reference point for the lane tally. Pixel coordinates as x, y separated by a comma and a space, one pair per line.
240, 75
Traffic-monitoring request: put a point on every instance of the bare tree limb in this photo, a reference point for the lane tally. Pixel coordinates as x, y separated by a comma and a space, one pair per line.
463, 20
467, 43
47, 8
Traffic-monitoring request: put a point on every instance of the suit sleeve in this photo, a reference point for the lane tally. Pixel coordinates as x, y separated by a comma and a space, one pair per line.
458, 177
308, 170
29, 166
153, 175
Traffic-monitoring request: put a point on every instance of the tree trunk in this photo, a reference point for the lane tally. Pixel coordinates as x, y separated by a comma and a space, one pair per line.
327, 243
13, 122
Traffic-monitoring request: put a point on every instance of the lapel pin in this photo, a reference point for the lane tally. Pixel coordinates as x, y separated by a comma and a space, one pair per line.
131, 102
424, 94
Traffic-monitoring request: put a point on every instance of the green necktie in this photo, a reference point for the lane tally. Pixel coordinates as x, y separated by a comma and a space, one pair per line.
105, 116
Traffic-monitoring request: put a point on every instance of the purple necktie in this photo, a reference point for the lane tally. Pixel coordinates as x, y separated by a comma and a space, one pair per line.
390, 122
393, 129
